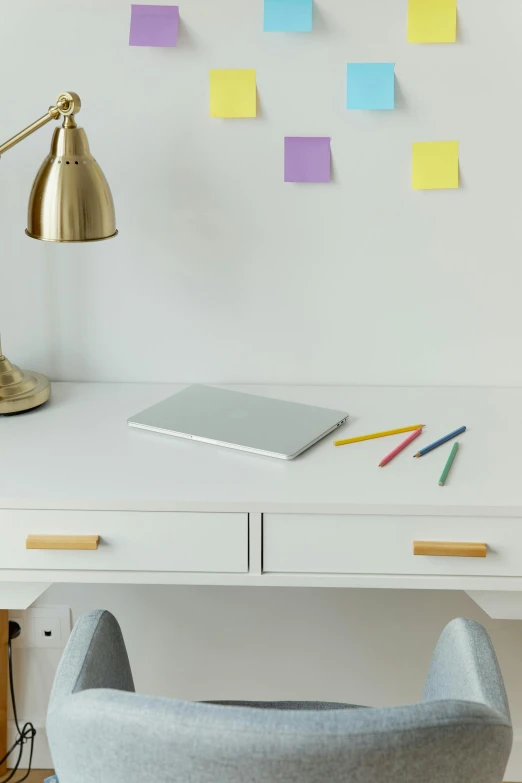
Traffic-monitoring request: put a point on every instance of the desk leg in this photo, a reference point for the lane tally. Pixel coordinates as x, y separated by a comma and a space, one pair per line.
4, 636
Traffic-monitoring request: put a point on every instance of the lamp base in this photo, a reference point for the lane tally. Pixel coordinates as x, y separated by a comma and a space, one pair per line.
19, 390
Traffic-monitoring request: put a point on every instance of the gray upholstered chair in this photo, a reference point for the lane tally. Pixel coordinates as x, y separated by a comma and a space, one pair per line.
101, 731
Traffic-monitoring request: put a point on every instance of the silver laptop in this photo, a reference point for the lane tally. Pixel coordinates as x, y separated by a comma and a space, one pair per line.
236, 420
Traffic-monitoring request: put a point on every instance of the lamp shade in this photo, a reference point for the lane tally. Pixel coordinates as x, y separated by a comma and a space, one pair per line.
71, 200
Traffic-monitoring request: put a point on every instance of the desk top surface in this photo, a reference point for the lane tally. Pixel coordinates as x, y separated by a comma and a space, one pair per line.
77, 452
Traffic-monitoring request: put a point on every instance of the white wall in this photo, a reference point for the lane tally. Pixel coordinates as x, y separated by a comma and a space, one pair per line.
222, 272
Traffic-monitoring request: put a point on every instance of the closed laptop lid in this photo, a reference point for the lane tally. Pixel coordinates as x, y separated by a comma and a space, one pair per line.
238, 420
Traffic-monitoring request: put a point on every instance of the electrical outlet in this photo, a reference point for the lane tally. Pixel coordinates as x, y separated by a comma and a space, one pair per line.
45, 626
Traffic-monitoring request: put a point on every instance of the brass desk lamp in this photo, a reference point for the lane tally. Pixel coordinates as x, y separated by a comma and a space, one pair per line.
70, 202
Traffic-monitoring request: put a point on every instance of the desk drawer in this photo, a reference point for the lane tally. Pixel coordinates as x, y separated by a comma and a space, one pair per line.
330, 544
129, 541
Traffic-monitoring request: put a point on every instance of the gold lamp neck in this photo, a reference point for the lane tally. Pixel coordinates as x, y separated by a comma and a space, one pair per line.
67, 104
69, 122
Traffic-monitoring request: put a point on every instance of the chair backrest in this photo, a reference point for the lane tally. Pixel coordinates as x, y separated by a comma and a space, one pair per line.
116, 736
464, 667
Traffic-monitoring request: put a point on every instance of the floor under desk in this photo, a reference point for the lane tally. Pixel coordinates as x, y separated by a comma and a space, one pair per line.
36, 776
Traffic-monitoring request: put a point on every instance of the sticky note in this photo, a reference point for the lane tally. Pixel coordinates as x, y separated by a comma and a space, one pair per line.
432, 21
154, 25
233, 93
371, 86
288, 16
307, 159
435, 165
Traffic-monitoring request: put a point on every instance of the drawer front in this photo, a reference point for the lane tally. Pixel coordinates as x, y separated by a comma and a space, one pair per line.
329, 544
128, 541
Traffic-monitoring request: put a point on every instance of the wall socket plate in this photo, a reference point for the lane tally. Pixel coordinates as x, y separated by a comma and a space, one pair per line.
43, 627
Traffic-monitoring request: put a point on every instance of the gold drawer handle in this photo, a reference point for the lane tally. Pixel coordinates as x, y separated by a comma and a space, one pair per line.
62, 542
449, 549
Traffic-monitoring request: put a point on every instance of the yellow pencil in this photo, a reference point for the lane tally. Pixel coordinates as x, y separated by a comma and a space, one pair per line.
379, 435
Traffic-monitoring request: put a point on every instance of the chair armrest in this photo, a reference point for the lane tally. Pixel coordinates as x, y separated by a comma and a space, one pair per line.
95, 657
464, 667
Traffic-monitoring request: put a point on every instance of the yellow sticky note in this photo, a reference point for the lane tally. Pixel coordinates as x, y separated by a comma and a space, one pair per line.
233, 93
435, 165
432, 21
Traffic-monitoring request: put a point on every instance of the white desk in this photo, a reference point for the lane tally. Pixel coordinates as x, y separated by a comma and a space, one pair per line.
171, 511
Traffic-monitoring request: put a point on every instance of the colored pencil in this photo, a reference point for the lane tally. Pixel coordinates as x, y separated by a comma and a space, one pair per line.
449, 463
379, 435
445, 439
400, 447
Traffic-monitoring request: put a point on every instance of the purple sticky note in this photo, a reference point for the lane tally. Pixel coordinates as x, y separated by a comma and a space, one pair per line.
307, 159
154, 25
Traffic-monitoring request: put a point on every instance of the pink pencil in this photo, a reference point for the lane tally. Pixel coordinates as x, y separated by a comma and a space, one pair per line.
400, 447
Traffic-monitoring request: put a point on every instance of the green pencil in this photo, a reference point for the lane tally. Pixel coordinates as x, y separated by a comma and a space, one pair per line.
449, 463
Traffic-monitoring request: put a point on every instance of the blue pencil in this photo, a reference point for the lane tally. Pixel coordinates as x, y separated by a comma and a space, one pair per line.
439, 442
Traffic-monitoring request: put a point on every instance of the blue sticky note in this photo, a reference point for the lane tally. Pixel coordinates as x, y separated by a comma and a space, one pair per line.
371, 86
288, 16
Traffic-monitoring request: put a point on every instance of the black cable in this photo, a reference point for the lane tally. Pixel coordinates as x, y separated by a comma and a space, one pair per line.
24, 735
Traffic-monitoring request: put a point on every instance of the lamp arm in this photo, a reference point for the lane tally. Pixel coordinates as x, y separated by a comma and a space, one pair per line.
67, 104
